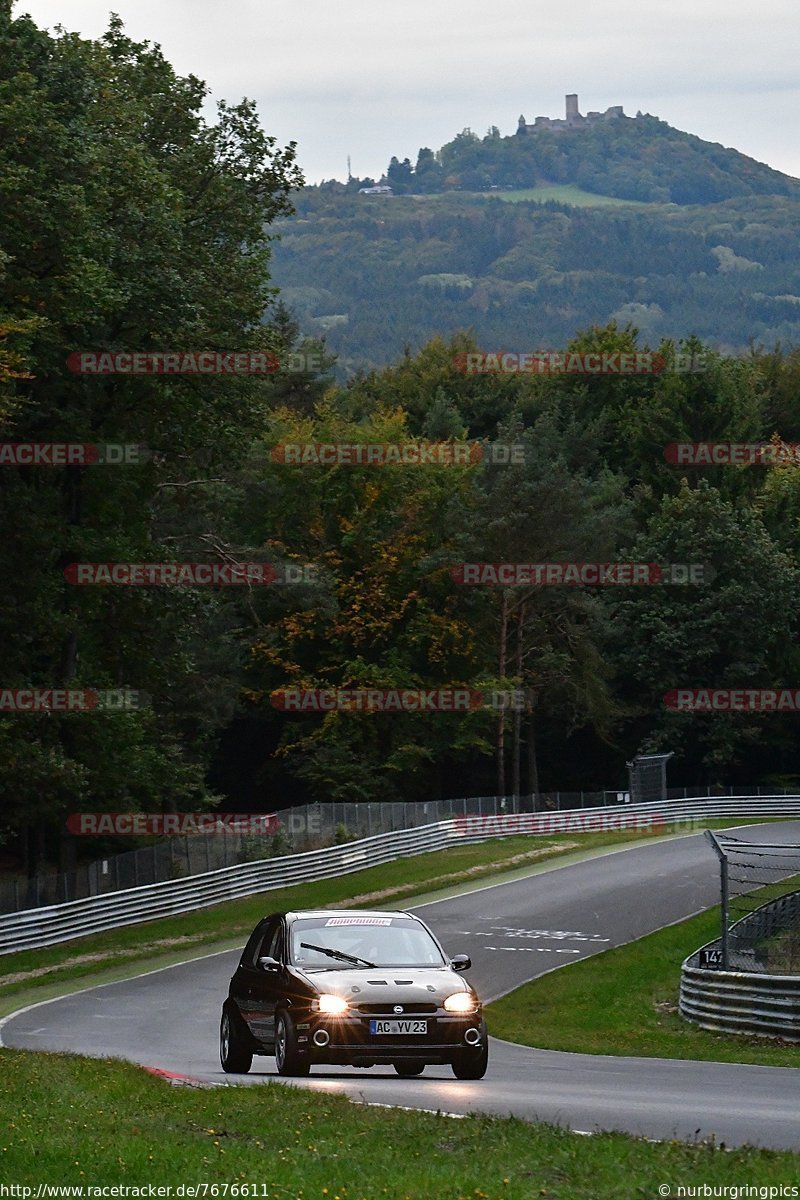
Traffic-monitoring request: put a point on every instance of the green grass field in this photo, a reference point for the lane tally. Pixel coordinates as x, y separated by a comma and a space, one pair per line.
71, 1121
564, 193
568, 193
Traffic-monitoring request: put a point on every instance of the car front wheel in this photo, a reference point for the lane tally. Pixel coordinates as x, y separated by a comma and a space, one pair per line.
471, 1063
288, 1059
234, 1054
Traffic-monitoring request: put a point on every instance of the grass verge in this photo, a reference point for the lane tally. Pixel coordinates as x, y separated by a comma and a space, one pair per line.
73, 1121
625, 1001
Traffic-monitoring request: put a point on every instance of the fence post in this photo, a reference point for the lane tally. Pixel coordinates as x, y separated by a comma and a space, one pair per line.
724, 899
725, 914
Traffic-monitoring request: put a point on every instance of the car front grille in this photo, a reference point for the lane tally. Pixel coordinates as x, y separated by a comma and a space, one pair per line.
386, 1009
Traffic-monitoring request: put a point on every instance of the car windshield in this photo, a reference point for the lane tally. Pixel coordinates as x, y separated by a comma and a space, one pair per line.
380, 941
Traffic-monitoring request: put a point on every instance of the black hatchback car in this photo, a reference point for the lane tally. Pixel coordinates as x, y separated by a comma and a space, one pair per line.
354, 988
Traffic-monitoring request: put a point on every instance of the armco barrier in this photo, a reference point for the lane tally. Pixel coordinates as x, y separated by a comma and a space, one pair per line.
746, 1002
740, 1001
62, 922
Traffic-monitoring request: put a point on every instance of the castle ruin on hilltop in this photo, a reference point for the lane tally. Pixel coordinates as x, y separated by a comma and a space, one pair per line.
573, 119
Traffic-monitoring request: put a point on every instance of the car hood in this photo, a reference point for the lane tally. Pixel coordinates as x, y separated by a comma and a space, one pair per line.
375, 984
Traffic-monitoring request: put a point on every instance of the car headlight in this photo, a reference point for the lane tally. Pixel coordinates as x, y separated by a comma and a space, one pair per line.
333, 1005
461, 1002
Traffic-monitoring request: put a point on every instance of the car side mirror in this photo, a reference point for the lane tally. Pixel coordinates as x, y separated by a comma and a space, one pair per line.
269, 964
461, 962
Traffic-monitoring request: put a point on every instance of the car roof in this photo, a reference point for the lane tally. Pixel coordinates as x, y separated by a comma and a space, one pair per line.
348, 912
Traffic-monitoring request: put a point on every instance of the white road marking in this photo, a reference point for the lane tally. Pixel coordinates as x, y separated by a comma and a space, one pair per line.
534, 949
556, 935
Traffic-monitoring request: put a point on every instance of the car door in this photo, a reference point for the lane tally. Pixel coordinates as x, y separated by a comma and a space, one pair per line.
257, 987
242, 982
266, 983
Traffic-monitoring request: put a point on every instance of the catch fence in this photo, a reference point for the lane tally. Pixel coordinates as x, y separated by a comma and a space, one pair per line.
295, 830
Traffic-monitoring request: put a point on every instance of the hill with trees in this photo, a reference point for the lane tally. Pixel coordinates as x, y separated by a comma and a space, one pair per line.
632, 158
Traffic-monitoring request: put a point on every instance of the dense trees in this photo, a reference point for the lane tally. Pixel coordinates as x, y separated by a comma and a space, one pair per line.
129, 223
530, 274
594, 664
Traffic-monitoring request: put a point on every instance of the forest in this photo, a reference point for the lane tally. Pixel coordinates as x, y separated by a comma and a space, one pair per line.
373, 275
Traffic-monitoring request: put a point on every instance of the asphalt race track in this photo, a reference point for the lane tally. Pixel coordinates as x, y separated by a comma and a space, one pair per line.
514, 932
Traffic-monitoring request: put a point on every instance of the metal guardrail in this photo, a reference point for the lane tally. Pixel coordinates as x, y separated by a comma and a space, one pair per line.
63, 922
741, 1002
290, 831
753, 1001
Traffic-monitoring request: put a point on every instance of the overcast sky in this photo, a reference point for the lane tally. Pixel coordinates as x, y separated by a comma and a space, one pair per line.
372, 79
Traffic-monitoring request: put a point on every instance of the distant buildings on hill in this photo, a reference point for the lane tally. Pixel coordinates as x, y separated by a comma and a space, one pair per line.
573, 119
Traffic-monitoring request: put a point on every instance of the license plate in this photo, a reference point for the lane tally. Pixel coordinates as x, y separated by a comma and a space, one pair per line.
398, 1026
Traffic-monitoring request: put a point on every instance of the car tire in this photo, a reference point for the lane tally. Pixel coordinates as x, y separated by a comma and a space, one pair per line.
234, 1053
408, 1068
471, 1063
288, 1059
